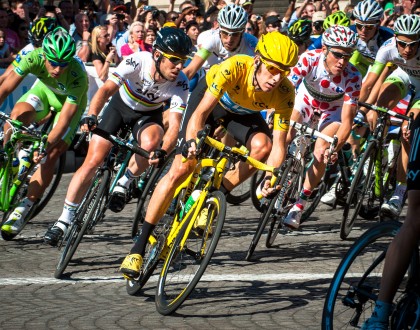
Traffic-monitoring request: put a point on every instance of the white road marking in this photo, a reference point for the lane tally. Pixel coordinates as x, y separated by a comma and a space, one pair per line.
206, 278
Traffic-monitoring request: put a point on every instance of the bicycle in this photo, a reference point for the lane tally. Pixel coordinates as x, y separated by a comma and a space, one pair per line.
186, 241
355, 286
372, 178
288, 184
92, 208
14, 185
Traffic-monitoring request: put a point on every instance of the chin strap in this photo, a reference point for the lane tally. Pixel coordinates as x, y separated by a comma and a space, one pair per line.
255, 77
157, 63
325, 62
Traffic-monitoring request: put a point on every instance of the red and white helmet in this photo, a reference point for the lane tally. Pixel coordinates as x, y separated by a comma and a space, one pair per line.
339, 36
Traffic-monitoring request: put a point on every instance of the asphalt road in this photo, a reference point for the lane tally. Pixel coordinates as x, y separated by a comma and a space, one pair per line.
283, 288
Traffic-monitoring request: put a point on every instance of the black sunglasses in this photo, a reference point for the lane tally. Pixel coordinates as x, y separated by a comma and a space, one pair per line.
405, 44
339, 56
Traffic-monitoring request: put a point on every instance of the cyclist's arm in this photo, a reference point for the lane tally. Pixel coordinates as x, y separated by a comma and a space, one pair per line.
348, 113
200, 115
13, 80
169, 139
278, 152
6, 74
108, 89
66, 115
195, 65
370, 80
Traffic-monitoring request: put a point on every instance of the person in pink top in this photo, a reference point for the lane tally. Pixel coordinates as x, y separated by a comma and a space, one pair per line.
135, 40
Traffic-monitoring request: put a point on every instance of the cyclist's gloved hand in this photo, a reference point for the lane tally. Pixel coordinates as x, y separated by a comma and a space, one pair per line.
189, 149
160, 155
265, 189
91, 121
360, 119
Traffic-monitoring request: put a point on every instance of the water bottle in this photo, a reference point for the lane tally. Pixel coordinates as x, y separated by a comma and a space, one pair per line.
24, 162
348, 153
15, 166
189, 203
141, 183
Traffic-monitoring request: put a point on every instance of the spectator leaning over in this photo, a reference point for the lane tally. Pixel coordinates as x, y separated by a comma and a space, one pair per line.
62, 84
81, 37
135, 40
248, 6
103, 52
272, 23
403, 50
188, 12
300, 33
20, 8
318, 19
326, 83
138, 88
305, 11
235, 90
229, 39
192, 30
149, 38
11, 36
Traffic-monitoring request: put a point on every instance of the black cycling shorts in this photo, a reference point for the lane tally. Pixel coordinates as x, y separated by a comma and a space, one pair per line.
413, 169
238, 125
117, 118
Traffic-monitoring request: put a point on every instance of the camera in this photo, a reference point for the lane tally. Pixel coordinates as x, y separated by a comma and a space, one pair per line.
146, 8
120, 16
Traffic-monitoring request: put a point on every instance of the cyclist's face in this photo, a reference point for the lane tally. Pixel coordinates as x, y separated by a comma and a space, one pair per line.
268, 75
170, 66
54, 71
336, 59
366, 29
230, 39
407, 46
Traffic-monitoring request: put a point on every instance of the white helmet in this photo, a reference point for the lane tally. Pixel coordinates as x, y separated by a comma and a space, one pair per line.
232, 17
407, 24
368, 10
339, 36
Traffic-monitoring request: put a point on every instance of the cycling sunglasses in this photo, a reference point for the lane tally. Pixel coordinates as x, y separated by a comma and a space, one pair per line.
60, 64
234, 34
340, 56
367, 27
273, 69
405, 44
175, 60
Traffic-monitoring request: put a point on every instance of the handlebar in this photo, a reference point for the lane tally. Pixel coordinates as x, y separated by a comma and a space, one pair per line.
19, 125
388, 111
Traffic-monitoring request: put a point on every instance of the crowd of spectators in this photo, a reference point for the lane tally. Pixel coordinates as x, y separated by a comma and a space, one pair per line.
105, 31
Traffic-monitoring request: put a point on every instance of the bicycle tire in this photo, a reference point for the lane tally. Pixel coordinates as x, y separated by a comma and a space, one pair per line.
49, 192
291, 195
359, 188
147, 193
355, 284
152, 256
240, 193
256, 180
171, 292
269, 212
87, 211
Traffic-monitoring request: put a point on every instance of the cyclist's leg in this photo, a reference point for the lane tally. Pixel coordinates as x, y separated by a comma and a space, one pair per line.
399, 252
395, 88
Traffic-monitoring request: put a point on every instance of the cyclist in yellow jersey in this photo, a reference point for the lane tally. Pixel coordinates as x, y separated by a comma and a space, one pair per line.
237, 90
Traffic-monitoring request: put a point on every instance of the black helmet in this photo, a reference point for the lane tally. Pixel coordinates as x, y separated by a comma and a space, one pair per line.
300, 31
40, 28
173, 41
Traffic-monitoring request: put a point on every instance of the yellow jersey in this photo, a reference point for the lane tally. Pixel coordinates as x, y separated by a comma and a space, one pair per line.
232, 82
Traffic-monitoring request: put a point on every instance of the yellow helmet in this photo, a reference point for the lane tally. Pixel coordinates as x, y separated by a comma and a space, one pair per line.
279, 49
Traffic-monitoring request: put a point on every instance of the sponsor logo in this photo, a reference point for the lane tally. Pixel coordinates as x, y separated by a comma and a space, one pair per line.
413, 174
130, 61
72, 98
19, 71
183, 84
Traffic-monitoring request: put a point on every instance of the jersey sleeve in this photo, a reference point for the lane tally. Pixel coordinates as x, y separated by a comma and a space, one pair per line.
353, 86
301, 69
126, 70
27, 64
284, 106
180, 95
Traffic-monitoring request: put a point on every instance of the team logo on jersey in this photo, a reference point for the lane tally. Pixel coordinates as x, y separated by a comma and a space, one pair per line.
290, 104
130, 61
226, 72
182, 84
73, 73
61, 87
215, 87
18, 58
19, 71
72, 98
236, 89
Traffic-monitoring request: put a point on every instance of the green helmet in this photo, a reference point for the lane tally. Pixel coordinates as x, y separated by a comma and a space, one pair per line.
59, 46
338, 18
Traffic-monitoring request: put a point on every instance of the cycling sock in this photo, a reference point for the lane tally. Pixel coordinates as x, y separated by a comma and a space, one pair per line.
69, 209
126, 179
303, 198
381, 311
141, 242
400, 190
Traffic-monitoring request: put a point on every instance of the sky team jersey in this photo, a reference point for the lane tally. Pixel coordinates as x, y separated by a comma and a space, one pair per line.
232, 83
212, 45
71, 86
389, 53
321, 85
140, 92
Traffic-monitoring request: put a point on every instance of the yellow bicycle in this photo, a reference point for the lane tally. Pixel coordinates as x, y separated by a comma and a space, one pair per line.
187, 239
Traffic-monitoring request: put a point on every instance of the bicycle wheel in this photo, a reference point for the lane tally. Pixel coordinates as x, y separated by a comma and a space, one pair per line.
49, 192
270, 210
292, 187
143, 202
360, 187
256, 180
313, 201
187, 262
354, 288
86, 216
240, 193
152, 256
